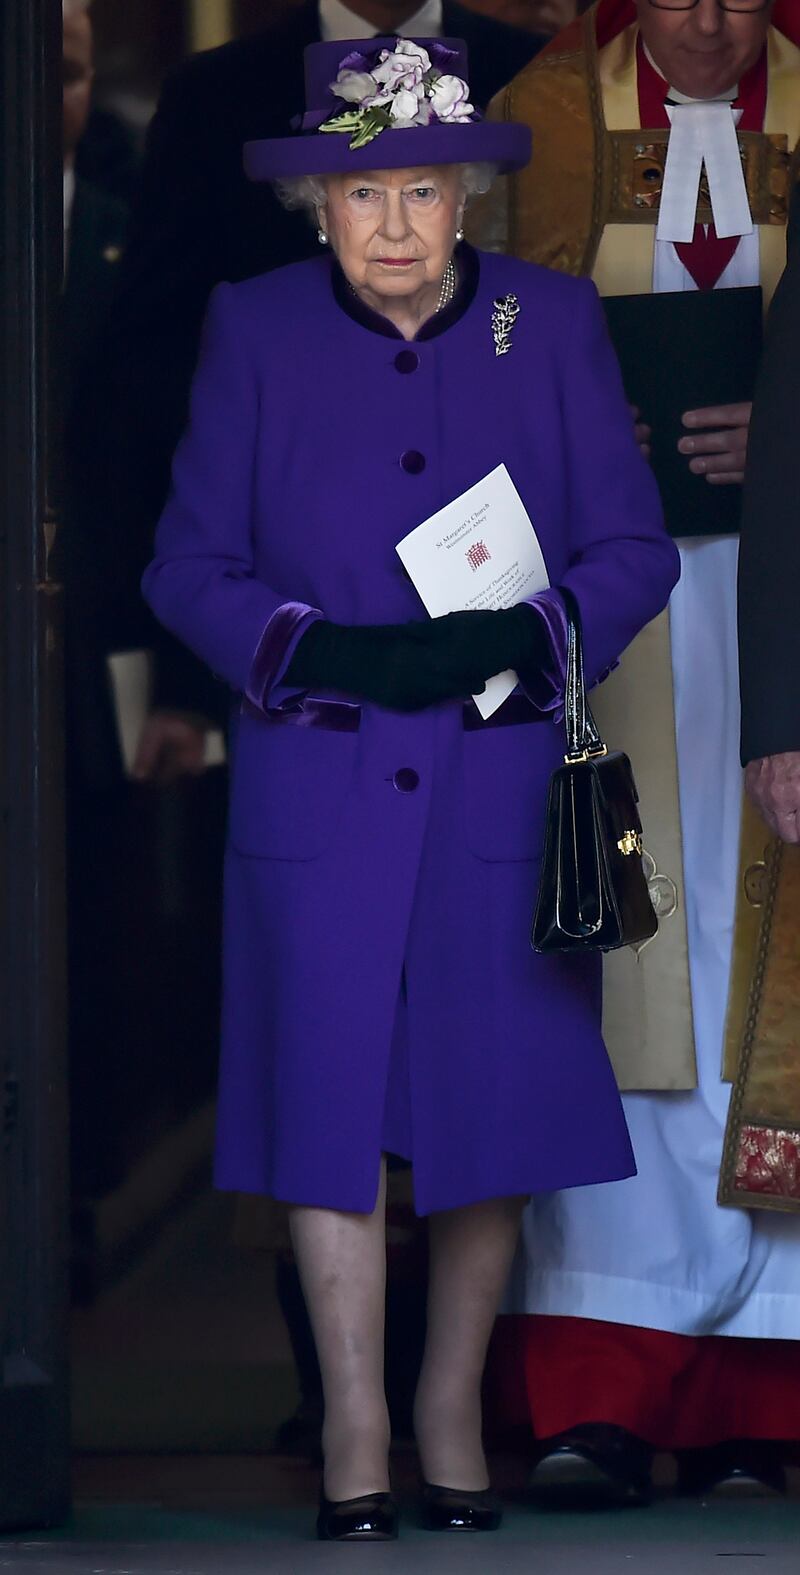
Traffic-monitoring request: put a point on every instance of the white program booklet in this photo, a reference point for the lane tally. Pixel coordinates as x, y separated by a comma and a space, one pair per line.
479, 551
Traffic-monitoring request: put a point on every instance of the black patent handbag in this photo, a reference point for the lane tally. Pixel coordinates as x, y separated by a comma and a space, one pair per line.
593, 893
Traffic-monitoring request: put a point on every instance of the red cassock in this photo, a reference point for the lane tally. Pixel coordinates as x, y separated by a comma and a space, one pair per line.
676, 1391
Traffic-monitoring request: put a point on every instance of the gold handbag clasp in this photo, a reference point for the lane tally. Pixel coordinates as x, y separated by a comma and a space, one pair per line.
631, 843
586, 754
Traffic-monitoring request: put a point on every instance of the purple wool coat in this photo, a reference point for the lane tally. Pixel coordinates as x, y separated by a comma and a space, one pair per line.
380, 990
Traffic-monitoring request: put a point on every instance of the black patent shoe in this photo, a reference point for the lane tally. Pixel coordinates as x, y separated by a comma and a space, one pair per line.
450, 1509
744, 1468
595, 1466
371, 1518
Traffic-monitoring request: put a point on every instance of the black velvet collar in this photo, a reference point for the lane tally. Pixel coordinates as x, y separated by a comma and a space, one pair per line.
469, 273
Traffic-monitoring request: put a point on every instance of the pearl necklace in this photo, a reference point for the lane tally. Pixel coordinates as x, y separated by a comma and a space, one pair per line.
448, 289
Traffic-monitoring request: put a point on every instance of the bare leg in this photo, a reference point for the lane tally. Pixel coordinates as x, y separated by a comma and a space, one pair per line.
471, 1250
342, 1263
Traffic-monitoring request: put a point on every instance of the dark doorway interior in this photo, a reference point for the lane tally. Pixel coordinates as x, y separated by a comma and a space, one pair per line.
33, 1165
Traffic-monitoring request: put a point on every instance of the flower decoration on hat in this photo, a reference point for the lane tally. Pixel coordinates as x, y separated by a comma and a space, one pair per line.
417, 86
395, 89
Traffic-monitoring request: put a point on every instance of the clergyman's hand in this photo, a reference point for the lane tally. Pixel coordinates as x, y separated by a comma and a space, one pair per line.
774, 787
718, 444
172, 745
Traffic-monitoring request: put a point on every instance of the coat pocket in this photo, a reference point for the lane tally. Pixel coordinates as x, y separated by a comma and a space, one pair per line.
289, 788
507, 774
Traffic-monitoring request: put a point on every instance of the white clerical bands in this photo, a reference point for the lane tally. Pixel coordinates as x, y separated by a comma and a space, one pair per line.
703, 134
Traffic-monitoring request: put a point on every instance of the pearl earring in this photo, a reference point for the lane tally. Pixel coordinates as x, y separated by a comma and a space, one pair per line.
322, 237
459, 234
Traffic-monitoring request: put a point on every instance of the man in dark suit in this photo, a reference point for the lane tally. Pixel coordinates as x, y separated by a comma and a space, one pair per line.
95, 235
95, 226
108, 155
130, 944
199, 220
769, 566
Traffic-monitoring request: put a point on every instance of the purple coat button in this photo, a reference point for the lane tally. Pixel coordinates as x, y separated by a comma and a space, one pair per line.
406, 360
412, 462
406, 780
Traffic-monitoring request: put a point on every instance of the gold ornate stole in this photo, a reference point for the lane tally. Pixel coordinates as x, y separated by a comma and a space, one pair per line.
761, 1158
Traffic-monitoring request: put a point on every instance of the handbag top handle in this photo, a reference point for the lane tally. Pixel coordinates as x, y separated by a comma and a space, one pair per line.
583, 737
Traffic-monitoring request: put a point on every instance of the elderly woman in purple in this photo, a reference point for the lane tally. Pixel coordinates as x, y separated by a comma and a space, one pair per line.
381, 996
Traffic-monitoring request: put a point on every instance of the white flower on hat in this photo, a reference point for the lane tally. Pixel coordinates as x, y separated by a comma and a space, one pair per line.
380, 98
449, 97
355, 86
410, 108
407, 46
405, 104
402, 67
403, 87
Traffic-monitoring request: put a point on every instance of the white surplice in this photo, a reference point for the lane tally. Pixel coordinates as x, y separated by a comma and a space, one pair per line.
657, 1251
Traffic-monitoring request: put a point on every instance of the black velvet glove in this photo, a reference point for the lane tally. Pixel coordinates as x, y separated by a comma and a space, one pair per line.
391, 664
409, 666
492, 642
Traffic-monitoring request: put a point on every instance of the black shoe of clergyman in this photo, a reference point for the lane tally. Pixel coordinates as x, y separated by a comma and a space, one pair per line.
371, 1518
742, 1468
594, 1466
450, 1509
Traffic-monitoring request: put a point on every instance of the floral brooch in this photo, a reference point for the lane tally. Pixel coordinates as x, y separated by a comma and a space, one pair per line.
504, 316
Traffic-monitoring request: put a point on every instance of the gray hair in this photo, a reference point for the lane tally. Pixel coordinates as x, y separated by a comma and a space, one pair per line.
307, 192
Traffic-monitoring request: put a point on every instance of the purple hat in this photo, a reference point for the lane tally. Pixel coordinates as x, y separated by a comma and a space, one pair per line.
389, 103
